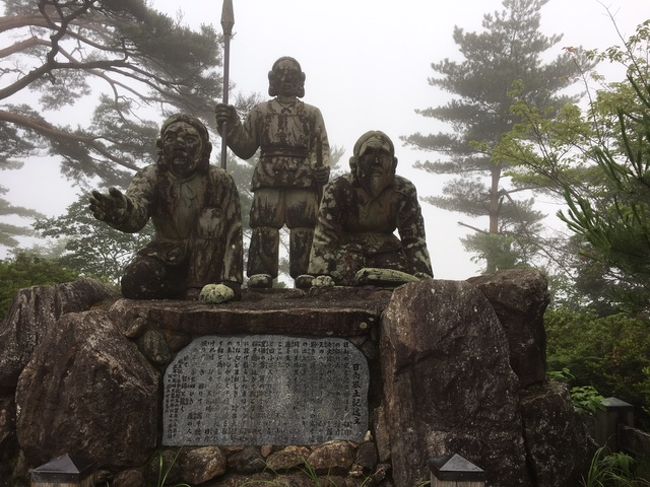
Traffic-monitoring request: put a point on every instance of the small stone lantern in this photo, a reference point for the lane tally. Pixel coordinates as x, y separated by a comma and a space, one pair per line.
455, 471
609, 421
63, 471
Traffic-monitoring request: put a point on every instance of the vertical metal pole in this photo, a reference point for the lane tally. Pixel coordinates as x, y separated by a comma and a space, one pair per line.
227, 23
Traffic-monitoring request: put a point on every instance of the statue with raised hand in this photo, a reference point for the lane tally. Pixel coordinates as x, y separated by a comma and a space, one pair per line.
358, 216
292, 169
195, 212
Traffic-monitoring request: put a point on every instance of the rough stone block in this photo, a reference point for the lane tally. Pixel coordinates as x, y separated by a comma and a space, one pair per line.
96, 395
519, 298
448, 385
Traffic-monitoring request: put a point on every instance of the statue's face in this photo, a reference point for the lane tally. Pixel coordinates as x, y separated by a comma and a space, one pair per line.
376, 170
287, 78
181, 148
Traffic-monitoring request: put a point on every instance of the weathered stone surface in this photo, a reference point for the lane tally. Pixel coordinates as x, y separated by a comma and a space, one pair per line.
302, 479
7, 422
249, 460
153, 346
367, 456
287, 458
129, 478
199, 465
266, 450
329, 312
256, 389
236, 480
332, 457
97, 395
519, 297
448, 386
381, 434
8, 442
176, 341
33, 312
558, 445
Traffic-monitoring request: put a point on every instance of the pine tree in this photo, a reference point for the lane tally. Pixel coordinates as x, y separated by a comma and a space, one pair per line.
131, 63
505, 54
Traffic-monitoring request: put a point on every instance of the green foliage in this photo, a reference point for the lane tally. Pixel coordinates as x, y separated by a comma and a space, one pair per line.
26, 270
608, 353
164, 471
92, 247
586, 399
508, 51
612, 470
599, 163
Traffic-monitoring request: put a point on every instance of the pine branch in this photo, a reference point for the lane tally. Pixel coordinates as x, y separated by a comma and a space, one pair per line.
52, 132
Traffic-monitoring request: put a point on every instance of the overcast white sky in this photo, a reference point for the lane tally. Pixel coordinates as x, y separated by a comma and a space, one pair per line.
367, 63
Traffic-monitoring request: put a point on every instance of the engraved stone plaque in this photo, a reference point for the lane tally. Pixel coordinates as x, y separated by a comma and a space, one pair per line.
265, 389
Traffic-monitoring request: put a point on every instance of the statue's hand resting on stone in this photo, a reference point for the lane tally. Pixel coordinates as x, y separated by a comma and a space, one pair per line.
111, 207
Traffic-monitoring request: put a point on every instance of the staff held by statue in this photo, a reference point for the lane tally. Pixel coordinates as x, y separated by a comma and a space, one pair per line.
227, 23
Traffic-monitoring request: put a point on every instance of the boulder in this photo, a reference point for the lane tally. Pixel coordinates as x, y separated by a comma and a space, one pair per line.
287, 458
8, 442
33, 312
129, 478
448, 384
519, 298
7, 423
198, 465
367, 456
332, 457
557, 439
97, 395
256, 479
248, 460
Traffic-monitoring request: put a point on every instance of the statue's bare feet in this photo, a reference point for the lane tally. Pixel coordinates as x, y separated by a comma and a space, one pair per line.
260, 281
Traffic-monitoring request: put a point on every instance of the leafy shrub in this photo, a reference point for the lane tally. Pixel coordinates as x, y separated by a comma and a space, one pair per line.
26, 270
613, 470
611, 354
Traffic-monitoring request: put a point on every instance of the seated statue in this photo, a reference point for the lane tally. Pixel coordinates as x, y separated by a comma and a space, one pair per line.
359, 213
195, 212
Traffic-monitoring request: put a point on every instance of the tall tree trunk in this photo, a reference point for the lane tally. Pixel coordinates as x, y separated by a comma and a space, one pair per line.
494, 210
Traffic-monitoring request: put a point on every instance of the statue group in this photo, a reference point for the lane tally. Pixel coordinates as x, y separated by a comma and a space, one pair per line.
335, 228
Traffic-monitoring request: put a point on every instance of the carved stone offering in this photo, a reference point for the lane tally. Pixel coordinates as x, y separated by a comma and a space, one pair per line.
359, 213
293, 166
265, 389
196, 213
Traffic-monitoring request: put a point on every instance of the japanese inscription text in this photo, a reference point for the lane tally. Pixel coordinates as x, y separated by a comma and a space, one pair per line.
265, 389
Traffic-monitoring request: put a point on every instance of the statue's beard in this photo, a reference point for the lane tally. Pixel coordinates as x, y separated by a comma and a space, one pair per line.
181, 165
376, 182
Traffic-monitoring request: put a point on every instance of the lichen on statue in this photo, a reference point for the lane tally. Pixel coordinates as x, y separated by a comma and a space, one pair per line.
360, 212
195, 211
293, 166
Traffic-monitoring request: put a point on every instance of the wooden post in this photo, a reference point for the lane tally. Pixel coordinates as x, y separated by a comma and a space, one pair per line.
614, 415
455, 471
63, 471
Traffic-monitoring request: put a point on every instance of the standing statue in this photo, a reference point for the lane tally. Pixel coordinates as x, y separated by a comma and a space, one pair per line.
195, 211
292, 169
361, 210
